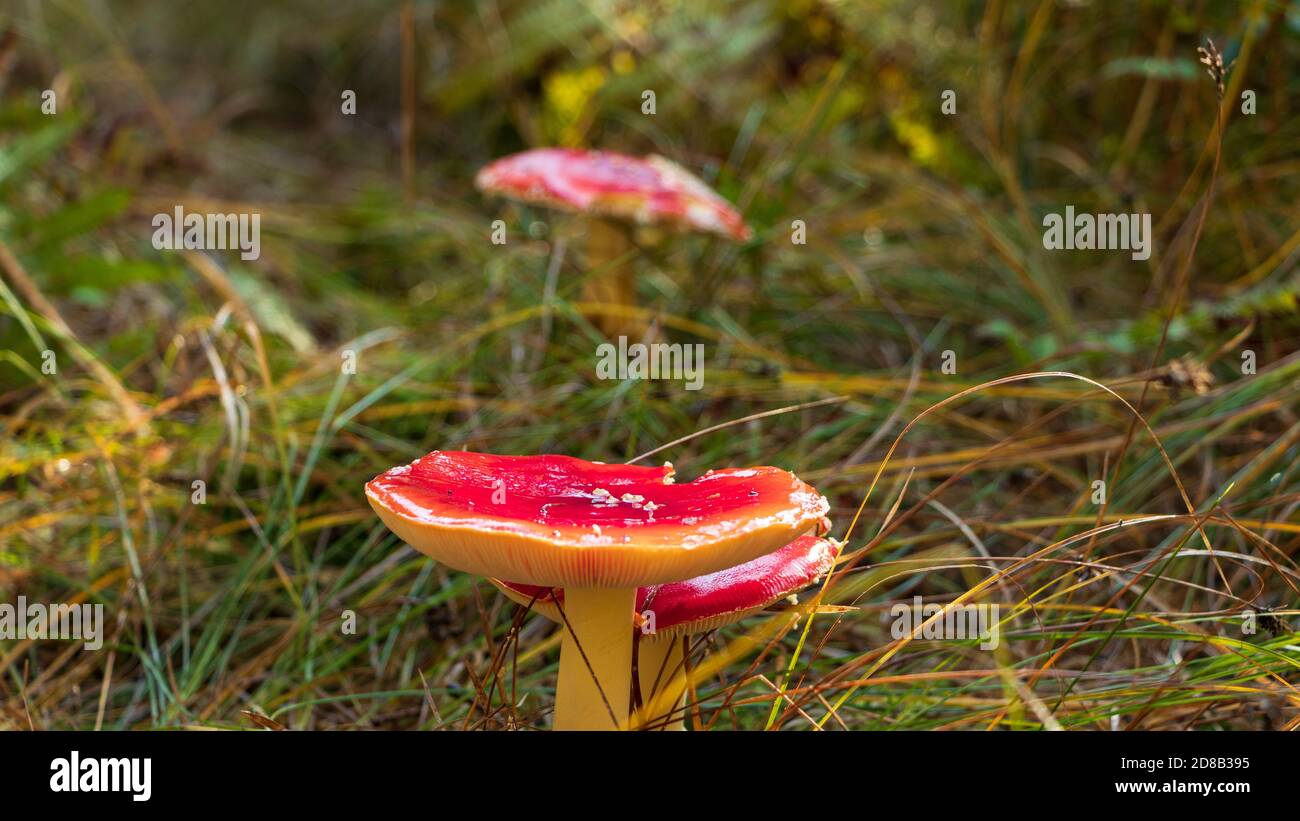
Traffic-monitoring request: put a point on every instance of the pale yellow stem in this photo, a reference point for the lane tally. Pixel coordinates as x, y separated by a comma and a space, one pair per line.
595, 683
611, 280
661, 677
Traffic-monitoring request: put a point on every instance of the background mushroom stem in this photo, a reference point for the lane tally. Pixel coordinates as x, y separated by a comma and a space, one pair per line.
595, 681
611, 279
660, 673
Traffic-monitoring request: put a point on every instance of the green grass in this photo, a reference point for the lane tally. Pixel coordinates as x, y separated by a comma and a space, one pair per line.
924, 236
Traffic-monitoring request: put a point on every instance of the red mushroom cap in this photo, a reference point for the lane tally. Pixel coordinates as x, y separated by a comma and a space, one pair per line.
647, 191
564, 522
714, 600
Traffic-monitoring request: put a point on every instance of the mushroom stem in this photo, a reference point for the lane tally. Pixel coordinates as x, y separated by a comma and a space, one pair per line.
611, 280
661, 672
595, 682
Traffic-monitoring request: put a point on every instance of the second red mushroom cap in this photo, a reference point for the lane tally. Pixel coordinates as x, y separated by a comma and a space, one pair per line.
646, 191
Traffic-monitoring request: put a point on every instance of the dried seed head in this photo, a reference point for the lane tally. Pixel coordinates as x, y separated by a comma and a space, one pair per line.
1213, 62
1188, 374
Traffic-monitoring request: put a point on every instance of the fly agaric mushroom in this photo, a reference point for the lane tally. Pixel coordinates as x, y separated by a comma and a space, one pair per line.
598, 532
698, 605
612, 190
